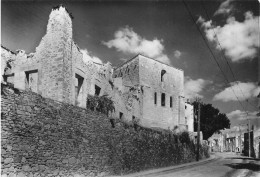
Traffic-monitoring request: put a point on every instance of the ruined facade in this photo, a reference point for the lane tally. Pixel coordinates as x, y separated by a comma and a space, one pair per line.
152, 92
56, 70
144, 90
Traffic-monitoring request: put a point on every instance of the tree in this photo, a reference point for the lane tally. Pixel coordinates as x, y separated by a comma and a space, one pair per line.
211, 120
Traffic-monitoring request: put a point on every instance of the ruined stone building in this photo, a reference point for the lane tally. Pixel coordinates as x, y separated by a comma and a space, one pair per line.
56, 70
143, 89
152, 92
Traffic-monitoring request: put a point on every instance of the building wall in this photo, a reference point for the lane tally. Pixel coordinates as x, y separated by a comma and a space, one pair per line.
129, 72
54, 53
128, 103
127, 93
172, 85
189, 116
102, 77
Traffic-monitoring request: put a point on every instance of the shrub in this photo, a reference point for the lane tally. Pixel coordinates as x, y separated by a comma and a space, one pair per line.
103, 104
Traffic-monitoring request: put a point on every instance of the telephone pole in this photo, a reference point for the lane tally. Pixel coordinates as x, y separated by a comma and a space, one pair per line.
198, 133
249, 151
240, 141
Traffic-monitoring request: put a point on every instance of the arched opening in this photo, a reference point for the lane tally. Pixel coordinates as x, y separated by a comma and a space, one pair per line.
162, 75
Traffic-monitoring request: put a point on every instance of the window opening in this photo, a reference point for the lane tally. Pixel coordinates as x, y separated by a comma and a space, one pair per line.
163, 99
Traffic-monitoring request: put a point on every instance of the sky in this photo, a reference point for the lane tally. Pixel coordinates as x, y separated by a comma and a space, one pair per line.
115, 31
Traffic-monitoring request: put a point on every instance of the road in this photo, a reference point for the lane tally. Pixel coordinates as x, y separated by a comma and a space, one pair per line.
225, 165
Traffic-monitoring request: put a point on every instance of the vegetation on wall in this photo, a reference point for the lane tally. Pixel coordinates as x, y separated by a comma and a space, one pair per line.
153, 149
103, 104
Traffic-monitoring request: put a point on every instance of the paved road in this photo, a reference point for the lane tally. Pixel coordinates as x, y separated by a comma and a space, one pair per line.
225, 165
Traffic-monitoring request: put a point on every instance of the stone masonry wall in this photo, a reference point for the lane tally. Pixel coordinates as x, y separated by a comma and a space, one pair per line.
172, 86
43, 137
129, 72
54, 52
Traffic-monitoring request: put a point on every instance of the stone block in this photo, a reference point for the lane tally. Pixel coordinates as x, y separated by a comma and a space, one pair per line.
12, 175
26, 168
42, 142
23, 159
21, 174
8, 160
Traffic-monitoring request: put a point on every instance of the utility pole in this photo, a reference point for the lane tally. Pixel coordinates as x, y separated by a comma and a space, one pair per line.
249, 151
198, 133
240, 143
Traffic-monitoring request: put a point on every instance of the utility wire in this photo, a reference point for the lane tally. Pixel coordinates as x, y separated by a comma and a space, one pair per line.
194, 21
223, 55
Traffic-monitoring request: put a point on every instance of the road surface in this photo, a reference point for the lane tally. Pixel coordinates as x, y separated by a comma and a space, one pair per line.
225, 165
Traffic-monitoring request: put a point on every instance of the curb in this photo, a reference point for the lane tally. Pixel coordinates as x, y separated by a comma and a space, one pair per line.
167, 169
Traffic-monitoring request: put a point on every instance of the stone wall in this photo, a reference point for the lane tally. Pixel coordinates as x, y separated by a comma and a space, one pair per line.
43, 137
129, 72
172, 86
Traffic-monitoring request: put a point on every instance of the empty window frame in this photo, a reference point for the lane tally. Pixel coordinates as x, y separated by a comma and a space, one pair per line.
78, 89
155, 98
162, 75
171, 101
163, 99
120, 115
97, 90
32, 80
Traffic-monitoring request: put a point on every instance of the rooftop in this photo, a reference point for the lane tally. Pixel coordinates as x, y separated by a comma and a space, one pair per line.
148, 58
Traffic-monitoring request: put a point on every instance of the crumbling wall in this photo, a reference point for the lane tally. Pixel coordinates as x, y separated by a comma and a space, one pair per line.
129, 72
54, 53
102, 77
14, 66
84, 69
7, 58
129, 103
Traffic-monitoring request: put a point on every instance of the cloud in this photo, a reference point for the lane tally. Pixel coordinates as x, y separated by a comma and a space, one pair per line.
88, 57
225, 8
249, 90
193, 88
127, 41
177, 54
239, 40
241, 115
